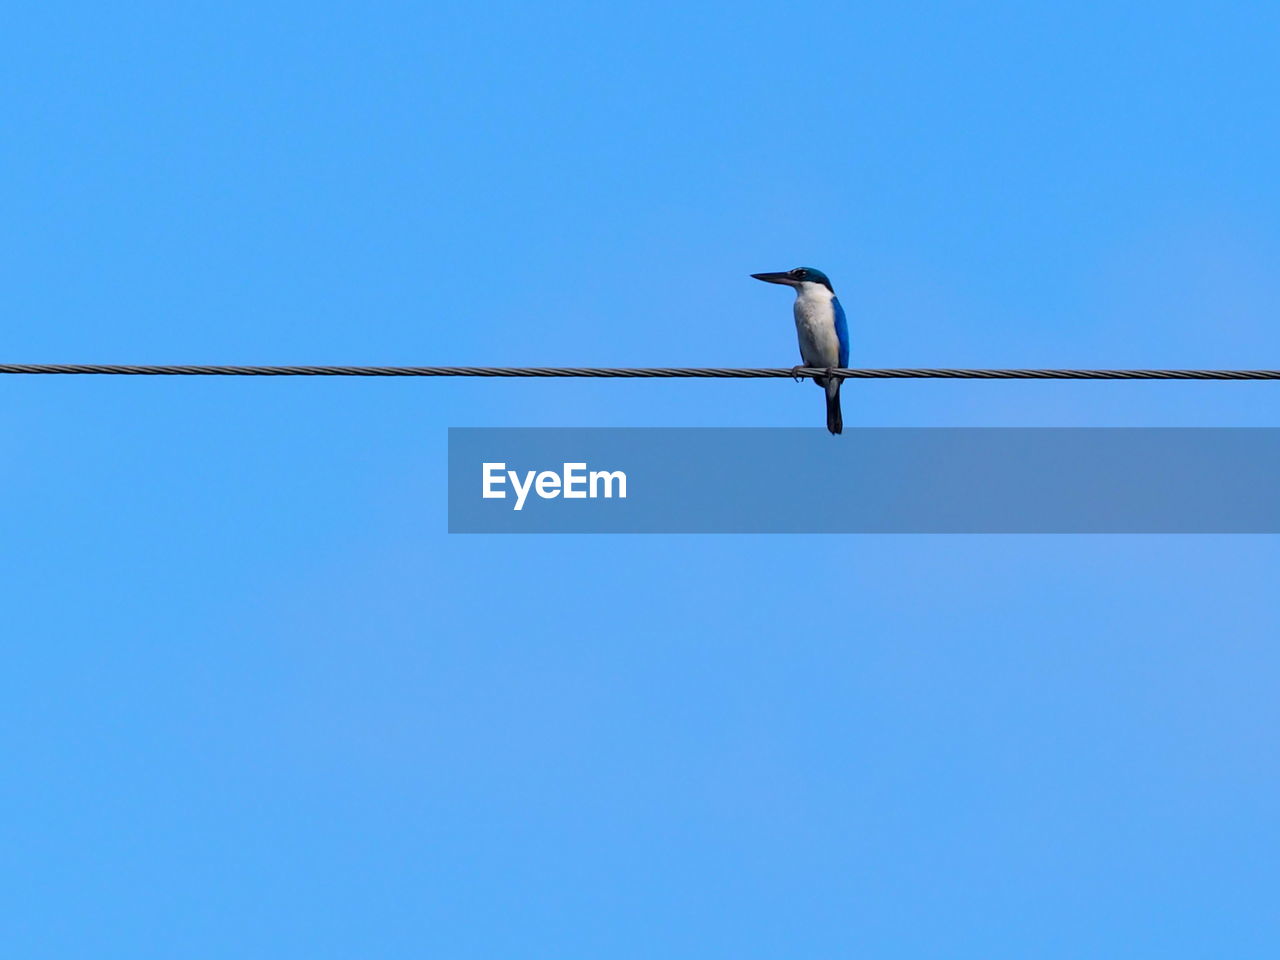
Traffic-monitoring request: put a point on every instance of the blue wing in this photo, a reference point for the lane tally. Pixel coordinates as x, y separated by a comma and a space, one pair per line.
842, 332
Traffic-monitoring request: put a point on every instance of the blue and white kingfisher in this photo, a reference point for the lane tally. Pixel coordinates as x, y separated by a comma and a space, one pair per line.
821, 329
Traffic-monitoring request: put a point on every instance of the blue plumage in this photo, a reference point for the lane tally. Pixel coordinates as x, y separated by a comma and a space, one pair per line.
842, 332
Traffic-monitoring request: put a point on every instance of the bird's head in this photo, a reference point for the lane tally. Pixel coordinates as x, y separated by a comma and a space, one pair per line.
797, 277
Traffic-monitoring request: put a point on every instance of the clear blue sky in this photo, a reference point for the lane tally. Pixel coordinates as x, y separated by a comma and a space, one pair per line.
256, 703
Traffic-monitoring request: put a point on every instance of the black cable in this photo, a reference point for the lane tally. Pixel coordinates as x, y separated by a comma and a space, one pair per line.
630, 372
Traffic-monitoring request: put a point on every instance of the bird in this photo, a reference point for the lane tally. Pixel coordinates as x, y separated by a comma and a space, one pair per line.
821, 329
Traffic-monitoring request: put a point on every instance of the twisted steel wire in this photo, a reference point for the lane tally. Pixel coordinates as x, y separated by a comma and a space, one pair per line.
750, 373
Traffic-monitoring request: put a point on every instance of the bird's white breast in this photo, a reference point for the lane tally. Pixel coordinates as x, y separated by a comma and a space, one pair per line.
816, 326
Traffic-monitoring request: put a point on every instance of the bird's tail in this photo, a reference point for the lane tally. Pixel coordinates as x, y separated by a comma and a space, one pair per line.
835, 422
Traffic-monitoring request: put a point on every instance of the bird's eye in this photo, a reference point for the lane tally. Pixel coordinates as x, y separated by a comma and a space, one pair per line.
799, 274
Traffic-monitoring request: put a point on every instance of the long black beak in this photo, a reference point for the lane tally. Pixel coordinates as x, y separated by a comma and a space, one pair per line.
783, 277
